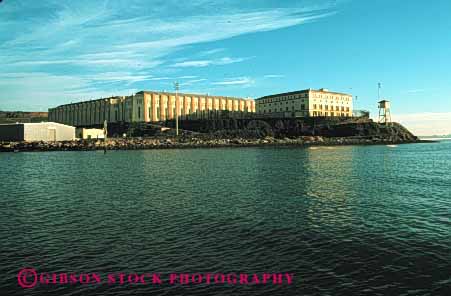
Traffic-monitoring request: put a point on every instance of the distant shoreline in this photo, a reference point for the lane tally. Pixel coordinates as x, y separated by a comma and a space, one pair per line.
434, 138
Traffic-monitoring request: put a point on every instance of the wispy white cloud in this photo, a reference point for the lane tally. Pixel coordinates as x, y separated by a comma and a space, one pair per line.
124, 77
273, 76
235, 81
122, 63
193, 81
415, 91
41, 89
205, 63
187, 77
202, 63
160, 78
95, 43
211, 51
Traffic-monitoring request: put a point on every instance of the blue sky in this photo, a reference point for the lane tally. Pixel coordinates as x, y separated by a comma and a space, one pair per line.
54, 51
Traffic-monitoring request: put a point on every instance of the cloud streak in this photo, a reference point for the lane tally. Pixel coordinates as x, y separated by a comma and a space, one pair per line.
96, 43
205, 63
273, 76
235, 81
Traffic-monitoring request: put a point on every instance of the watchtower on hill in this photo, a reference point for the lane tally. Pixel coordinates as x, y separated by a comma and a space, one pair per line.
384, 112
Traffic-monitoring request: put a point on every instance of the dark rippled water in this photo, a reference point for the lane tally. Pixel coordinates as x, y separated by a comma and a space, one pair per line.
369, 220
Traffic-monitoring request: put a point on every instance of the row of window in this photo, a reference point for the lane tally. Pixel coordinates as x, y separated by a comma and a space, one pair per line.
300, 96
224, 108
286, 109
330, 97
209, 101
76, 116
281, 103
337, 108
286, 103
283, 98
188, 110
314, 113
281, 110
317, 113
188, 114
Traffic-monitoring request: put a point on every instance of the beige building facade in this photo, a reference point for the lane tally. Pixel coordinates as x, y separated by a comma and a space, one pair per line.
149, 106
305, 103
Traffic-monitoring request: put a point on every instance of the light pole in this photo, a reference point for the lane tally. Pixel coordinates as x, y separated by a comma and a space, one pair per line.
176, 87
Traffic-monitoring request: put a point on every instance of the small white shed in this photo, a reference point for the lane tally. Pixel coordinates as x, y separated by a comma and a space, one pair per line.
42, 131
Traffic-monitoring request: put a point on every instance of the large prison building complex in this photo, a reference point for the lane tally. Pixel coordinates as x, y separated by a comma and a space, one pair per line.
150, 106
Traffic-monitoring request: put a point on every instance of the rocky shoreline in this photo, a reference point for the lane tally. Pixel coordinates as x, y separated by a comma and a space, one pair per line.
196, 142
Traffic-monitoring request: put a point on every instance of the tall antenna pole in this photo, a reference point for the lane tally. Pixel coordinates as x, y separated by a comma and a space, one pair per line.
176, 87
355, 104
379, 91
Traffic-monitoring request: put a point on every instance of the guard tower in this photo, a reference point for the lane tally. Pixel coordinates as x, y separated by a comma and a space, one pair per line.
384, 112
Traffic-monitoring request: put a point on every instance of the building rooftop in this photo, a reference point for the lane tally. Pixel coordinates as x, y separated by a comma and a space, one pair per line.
35, 123
323, 90
89, 101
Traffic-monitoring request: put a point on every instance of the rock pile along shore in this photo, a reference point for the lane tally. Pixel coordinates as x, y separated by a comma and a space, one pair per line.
194, 142
354, 133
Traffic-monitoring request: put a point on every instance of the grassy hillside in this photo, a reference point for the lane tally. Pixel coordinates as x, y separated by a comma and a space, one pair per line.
19, 116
